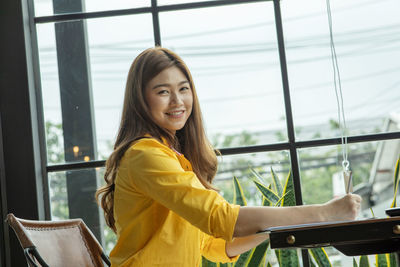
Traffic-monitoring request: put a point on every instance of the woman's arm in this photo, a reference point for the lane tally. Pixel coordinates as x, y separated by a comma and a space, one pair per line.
253, 219
243, 244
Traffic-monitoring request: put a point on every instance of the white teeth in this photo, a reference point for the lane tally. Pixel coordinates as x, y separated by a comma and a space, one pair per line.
175, 113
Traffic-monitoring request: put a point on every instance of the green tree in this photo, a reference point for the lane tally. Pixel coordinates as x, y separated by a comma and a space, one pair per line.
57, 180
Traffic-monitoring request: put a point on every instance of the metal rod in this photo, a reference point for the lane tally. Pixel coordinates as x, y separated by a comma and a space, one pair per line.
350, 139
91, 15
288, 105
133, 11
248, 149
156, 23
289, 117
206, 4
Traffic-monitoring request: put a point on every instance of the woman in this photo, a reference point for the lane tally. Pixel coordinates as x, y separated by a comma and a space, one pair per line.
159, 198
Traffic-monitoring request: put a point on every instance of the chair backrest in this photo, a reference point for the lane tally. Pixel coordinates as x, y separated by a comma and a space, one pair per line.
58, 243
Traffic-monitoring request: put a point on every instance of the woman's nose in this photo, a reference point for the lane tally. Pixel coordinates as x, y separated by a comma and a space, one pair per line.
176, 99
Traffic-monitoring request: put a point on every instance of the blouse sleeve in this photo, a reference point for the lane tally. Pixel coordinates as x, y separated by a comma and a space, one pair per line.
214, 249
155, 171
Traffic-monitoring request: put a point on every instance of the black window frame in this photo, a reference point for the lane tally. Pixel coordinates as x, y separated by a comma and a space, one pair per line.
292, 145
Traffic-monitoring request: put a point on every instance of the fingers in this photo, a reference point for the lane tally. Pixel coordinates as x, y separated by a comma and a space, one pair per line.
355, 204
356, 198
353, 198
344, 208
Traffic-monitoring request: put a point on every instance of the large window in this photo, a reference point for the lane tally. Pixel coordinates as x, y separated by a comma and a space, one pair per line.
263, 73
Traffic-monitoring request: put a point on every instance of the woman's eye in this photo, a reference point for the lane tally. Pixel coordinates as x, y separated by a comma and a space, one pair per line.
184, 88
162, 92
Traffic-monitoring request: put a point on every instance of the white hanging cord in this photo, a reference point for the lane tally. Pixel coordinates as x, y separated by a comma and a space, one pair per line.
339, 95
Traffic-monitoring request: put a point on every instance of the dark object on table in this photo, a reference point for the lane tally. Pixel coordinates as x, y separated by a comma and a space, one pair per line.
392, 212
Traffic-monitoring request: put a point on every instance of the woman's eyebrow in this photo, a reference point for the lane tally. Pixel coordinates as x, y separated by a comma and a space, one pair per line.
186, 81
161, 85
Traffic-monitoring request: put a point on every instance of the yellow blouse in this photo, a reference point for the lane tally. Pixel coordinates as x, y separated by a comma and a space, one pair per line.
163, 215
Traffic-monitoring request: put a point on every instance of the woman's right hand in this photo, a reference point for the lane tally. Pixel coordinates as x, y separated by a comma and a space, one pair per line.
343, 208
253, 219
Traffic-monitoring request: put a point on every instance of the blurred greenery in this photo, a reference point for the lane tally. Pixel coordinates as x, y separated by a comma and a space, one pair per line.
57, 182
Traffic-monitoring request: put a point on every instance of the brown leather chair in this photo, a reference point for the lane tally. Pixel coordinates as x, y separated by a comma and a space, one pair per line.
58, 243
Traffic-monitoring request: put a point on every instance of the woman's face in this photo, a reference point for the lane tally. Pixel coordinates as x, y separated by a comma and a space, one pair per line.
170, 99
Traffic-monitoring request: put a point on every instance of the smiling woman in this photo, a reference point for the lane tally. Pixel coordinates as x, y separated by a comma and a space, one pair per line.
159, 198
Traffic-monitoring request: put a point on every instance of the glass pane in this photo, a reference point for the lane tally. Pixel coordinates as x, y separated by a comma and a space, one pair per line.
241, 166
111, 59
368, 56
109, 53
235, 67
45, 7
372, 164
50, 93
58, 196
66, 201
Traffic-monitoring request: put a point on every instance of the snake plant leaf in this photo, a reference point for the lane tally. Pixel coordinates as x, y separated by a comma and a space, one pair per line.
264, 260
277, 254
207, 263
267, 193
238, 196
289, 257
372, 212
257, 175
381, 260
320, 257
244, 258
277, 183
240, 199
265, 202
258, 254
364, 262
224, 265
312, 264
393, 260
396, 182
288, 191
279, 202
355, 263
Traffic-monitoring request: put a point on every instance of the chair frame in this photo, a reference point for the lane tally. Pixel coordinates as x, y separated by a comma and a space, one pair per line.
31, 253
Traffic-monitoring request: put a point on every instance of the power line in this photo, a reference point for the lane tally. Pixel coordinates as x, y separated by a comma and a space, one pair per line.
210, 50
251, 26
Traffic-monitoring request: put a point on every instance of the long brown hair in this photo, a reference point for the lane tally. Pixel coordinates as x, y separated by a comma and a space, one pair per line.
136, 121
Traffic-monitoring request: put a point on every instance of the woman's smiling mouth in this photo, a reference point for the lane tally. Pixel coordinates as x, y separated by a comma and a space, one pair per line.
175, 114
